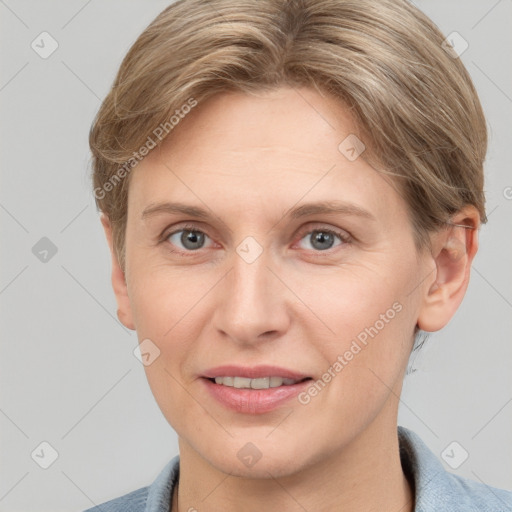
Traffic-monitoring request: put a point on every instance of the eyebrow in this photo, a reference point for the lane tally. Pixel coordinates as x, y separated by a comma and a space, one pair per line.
159, 208
330, 208
322, 207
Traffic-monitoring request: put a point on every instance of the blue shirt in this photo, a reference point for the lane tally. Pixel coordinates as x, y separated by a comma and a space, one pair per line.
436, 490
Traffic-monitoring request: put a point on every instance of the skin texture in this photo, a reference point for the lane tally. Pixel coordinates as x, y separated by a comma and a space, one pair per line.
249, 159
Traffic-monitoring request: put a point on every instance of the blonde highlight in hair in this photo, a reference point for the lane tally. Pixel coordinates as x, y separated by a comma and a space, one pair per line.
413, 102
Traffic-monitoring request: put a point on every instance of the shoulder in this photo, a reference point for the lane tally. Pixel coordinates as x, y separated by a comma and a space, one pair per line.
153, 498
469, 495
134, 501
437, 489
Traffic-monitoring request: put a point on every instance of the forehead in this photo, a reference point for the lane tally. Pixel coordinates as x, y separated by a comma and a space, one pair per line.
241, 152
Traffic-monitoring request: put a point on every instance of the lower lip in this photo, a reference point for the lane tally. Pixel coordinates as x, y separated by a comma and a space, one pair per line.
254, 401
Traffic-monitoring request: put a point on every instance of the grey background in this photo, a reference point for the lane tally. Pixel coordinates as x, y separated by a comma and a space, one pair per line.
67, 372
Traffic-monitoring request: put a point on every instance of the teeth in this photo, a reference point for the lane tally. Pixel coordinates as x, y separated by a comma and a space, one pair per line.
275, 382
261, 383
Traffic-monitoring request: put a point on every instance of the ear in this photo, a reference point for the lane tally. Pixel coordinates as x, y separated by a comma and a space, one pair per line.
453, 250
124, 311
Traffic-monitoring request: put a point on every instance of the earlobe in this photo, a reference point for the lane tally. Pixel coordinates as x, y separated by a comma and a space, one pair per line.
454, 249
124, 312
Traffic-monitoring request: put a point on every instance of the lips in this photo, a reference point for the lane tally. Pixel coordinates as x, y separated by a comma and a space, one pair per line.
259, 383
254, 372
253, 390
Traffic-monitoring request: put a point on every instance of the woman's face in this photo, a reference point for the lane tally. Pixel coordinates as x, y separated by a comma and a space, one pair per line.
265, 277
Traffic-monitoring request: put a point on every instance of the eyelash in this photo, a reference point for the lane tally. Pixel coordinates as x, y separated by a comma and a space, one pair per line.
344, 237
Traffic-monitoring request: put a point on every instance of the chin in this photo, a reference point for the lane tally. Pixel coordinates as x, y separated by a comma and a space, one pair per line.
260, 460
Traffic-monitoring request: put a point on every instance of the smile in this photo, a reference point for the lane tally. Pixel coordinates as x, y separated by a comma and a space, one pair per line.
260, 383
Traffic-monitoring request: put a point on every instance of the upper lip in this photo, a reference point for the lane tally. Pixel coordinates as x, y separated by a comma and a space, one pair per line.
253, 372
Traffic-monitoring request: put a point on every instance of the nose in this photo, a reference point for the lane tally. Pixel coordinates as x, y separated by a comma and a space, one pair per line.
252, 302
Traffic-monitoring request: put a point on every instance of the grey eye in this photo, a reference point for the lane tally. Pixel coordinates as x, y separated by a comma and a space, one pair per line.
189, 239
321, 240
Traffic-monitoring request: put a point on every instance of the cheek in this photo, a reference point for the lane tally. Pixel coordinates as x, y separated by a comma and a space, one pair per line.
355, 299
162, 297
368, 318
166, 308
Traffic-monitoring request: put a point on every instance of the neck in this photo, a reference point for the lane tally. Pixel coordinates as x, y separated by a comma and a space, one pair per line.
364, 475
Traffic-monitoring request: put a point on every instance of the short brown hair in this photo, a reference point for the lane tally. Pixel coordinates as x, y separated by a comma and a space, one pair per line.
413, 101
